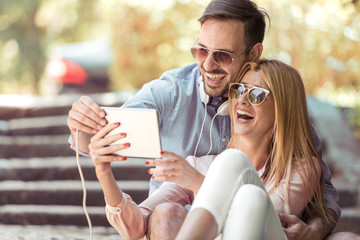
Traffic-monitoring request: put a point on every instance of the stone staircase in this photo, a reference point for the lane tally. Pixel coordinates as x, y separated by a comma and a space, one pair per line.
342, 154
39, 178
40, 183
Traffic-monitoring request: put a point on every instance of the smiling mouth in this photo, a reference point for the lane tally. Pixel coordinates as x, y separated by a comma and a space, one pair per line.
244, 116
215, 78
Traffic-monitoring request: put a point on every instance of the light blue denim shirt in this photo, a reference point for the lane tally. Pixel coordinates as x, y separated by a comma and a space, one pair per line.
175, 96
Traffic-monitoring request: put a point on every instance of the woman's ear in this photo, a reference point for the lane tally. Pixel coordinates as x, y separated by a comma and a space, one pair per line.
256, 51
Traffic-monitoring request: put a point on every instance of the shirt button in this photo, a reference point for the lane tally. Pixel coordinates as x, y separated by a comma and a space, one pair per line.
224, 139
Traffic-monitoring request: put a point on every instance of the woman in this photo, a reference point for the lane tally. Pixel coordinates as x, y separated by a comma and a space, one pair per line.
271, 148
270, 125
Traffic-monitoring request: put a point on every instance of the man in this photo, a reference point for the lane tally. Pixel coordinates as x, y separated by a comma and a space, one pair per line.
231, 33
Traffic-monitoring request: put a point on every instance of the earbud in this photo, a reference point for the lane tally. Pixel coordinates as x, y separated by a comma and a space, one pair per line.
222, 108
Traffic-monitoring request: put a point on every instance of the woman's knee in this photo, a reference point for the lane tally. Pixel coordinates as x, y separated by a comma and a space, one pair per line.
252, 197
232, 160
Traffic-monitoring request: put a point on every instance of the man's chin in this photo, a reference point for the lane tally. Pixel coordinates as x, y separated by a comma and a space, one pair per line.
216, 92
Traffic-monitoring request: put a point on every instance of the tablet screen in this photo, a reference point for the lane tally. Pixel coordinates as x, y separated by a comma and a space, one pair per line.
142, 131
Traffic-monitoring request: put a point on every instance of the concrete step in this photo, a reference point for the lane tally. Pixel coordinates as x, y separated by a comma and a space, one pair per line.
48, 125
21, 106
349, 193
52, 215
349, 220
65, 168
35, 146
67, 192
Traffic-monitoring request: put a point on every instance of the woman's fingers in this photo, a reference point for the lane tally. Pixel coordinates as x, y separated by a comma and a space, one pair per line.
109, 149
163, 171
101, 145
170, 155
104, 131
108, 159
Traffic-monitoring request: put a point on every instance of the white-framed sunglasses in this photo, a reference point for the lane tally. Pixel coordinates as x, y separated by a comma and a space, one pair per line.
255, 96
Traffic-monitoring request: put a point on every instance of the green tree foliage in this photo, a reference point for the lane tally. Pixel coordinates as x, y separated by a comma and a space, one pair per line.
150, 40
28, 28
321, 38
21, 44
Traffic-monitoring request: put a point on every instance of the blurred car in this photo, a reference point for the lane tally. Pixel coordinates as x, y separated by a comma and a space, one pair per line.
80, 67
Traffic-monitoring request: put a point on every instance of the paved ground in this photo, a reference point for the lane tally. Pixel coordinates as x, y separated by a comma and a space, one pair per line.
15, 232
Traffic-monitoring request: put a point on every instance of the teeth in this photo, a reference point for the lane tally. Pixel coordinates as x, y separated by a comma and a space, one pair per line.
244, 116
240, 112
213, 76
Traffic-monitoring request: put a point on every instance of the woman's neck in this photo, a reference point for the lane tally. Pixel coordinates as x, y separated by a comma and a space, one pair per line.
257, 150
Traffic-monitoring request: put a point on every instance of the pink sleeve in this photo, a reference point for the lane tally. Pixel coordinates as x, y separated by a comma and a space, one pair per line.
297, 199
130, 219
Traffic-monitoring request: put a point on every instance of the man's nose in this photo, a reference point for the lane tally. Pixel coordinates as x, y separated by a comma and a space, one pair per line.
209, 63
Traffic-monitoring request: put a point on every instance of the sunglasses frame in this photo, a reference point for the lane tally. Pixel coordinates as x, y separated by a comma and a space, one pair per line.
196, 47
248, 90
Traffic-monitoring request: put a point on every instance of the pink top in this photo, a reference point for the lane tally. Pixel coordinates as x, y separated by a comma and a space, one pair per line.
130, 219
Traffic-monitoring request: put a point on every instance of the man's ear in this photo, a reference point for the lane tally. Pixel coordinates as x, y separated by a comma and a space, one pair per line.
256, 51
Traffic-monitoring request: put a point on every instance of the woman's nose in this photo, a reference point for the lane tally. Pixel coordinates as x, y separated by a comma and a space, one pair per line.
243, 99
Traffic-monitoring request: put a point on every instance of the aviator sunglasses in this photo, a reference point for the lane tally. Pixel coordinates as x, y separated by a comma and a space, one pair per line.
222, 58
255, 96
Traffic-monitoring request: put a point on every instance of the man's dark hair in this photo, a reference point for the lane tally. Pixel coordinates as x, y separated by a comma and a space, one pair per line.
244, 11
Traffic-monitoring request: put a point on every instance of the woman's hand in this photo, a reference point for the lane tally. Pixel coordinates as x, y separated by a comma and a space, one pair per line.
100, 149
176, 169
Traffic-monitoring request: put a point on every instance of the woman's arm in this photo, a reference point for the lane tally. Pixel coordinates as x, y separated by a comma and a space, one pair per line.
100, 153
122, 213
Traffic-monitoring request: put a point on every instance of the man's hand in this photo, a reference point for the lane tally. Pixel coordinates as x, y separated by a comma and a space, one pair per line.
178, 170
296, 229
86, 116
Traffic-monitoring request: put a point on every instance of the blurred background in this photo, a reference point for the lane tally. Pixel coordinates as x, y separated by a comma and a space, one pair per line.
54, 47
52, 52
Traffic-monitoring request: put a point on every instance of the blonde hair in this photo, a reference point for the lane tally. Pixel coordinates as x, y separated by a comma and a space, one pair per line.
292, 143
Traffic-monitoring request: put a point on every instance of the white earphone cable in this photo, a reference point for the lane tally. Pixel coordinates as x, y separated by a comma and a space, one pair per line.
211, 125
202, 128
82, 181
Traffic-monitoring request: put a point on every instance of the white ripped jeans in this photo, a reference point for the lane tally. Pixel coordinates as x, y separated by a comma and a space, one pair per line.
235, 196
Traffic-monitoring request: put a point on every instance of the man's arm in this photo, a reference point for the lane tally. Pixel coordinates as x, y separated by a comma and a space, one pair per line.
316, 228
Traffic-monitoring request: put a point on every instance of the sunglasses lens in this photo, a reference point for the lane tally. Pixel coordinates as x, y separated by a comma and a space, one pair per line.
257, 96
224, 59
199, 54
235, 91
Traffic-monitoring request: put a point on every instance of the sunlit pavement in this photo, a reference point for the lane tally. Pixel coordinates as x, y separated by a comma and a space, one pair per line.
15, 232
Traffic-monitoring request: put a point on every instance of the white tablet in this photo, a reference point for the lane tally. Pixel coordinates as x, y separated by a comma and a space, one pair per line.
142, 131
